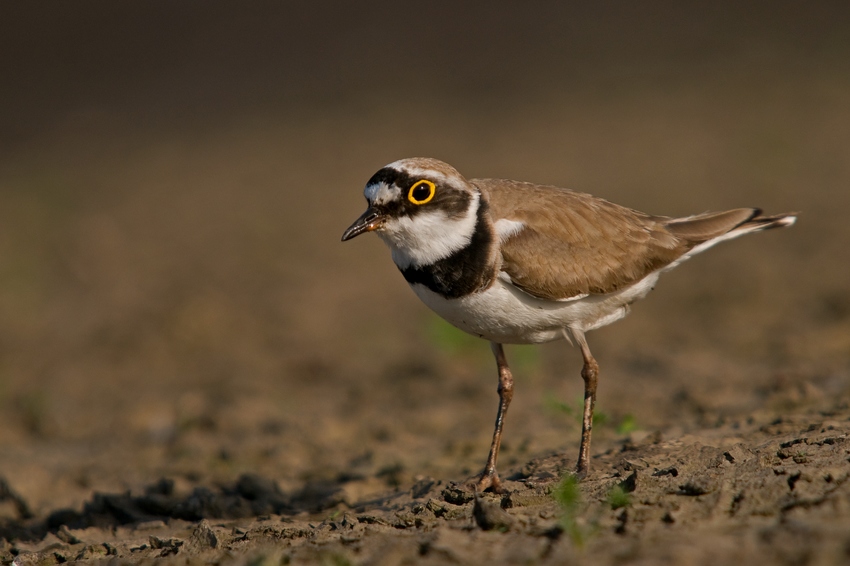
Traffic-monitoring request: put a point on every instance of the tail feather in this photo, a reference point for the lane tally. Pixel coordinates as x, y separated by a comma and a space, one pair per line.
705, 227
705, 230
774, 221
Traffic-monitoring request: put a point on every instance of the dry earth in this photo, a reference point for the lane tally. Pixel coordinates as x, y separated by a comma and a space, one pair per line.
774, 493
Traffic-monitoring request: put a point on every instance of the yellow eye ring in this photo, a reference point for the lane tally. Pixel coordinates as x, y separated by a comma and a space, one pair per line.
421, 197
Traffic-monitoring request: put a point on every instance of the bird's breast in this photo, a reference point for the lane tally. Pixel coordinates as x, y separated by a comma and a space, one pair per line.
465, 271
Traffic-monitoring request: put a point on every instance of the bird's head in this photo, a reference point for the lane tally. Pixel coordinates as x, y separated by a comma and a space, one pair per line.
422, 208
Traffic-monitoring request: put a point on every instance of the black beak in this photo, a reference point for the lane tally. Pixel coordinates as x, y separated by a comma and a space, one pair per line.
368, 221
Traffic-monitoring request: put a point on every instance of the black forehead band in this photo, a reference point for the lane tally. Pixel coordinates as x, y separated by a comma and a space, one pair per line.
390, 176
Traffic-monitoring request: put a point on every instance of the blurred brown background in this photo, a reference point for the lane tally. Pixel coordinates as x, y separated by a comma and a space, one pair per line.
175, 177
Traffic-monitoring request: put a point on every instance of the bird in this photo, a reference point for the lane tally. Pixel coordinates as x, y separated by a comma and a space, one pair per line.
520, 263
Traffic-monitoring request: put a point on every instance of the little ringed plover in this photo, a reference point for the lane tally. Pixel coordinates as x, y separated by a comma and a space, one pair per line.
519, 263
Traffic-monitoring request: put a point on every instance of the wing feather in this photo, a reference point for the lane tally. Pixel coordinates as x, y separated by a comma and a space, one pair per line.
573, 243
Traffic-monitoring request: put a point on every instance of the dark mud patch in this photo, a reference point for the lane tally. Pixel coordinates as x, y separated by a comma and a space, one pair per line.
775, 492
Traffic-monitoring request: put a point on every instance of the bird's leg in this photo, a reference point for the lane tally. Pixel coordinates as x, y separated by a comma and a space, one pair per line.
590, 375
489, 478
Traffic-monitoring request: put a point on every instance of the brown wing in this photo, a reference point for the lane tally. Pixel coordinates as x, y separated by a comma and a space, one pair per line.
574, 243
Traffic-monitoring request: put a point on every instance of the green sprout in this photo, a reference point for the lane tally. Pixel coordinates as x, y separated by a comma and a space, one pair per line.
555, 405
455, 342
574, 411
336, 513
618, 497
627, 425
525, 359
449, 339
568, 497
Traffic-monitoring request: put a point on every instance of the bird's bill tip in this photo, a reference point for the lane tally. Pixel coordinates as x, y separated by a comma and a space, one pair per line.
369, 221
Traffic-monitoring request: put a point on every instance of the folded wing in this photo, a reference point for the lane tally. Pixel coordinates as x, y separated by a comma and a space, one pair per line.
573, 244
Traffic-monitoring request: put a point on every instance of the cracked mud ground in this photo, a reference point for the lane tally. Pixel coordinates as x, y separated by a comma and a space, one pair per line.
194, 369
772, 491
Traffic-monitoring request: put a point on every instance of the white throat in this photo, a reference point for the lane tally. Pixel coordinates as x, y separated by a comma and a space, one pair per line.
429, 236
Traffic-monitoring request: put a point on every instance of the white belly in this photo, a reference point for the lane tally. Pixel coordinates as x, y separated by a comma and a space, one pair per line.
508, 315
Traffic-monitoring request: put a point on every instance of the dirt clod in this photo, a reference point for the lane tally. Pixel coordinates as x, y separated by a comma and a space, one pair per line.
203, 537
489, 515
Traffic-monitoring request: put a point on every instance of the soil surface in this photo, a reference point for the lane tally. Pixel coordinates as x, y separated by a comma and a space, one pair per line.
194, 369
733, 493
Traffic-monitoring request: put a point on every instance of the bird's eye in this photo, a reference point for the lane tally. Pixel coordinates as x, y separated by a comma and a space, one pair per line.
421, 192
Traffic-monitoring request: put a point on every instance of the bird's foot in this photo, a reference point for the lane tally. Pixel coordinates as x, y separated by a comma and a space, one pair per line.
486, 480
581, 472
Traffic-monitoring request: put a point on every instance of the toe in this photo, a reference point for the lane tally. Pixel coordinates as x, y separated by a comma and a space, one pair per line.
488, 480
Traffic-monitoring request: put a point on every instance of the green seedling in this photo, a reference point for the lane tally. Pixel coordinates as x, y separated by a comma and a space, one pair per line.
455, 342
334, 515
568, 497
800, 457
574, 411
599, 418
524, 360
449, 339
618, 497
555, 405
627, 425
